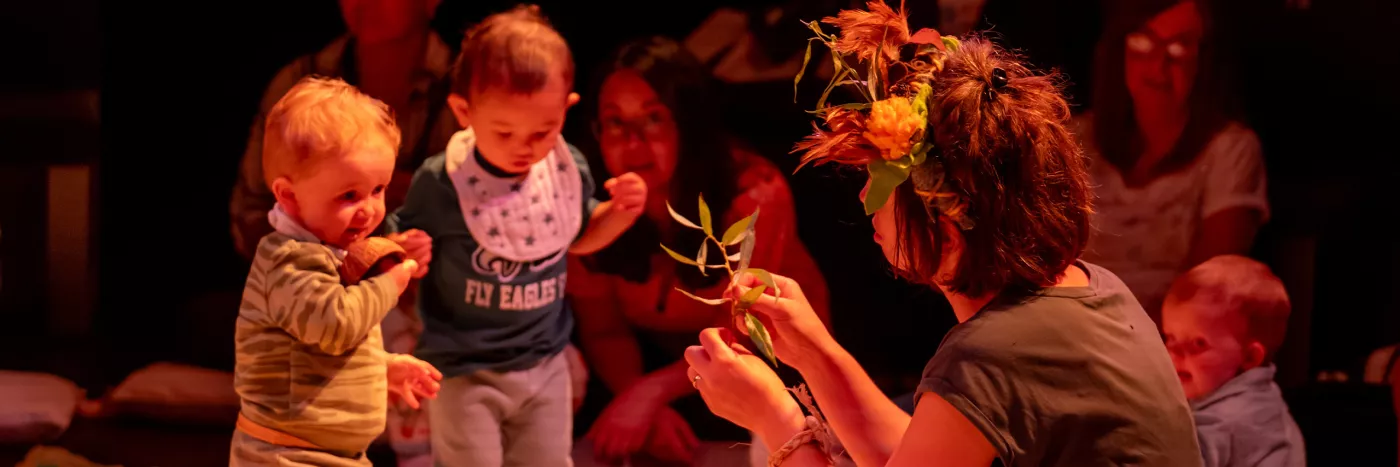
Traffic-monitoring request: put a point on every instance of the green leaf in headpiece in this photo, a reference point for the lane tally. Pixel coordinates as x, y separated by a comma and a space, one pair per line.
806, 57
857, 106
951, 43
872, 75
884, 177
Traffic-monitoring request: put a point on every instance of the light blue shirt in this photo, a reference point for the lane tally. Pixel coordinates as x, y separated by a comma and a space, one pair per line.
1246, 423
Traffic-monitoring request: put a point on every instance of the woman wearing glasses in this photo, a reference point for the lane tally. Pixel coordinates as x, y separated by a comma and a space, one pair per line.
651, 114
1178, 178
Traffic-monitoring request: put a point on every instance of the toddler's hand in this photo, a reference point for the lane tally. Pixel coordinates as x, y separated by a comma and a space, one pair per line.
419, 247
629, 192
403, 273
411, 379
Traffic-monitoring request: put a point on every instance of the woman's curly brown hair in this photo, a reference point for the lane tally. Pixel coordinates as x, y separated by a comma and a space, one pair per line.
1007, 151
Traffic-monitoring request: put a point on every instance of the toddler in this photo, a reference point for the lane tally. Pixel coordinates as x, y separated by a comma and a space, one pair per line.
311, 370
501, 209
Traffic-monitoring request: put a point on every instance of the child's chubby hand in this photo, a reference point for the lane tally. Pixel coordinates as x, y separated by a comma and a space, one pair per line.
419, 247
412, 380
629, 192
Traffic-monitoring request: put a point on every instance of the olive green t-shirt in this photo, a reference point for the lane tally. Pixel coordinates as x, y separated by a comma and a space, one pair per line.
1067, 376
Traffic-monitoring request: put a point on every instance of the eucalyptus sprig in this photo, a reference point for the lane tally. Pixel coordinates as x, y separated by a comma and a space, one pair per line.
740, 234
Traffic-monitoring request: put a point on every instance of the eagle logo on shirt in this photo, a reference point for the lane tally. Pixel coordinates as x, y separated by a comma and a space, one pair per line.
487, 263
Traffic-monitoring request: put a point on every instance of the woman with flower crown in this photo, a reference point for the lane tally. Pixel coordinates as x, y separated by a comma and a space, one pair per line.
977, 189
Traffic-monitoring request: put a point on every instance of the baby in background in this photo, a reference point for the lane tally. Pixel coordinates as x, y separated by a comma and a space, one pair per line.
311, 370
1223, 321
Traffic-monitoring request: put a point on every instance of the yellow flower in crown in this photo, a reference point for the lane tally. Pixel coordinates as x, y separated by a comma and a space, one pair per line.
894, 126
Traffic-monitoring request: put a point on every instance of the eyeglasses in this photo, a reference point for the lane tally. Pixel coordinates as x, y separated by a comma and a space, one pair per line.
648, 126
1146, 43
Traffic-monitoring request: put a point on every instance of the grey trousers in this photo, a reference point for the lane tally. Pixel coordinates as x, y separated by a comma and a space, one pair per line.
518, 418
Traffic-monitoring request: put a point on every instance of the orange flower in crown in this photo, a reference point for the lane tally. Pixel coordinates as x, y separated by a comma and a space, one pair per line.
888, 70
894, 127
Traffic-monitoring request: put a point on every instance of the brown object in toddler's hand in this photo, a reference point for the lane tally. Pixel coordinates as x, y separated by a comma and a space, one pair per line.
368, 258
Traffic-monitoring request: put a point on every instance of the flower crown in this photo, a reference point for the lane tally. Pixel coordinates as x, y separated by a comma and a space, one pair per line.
886, 133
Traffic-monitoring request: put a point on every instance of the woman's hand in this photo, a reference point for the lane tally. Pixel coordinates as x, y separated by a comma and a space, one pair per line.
741, 388
622, 429
797, 333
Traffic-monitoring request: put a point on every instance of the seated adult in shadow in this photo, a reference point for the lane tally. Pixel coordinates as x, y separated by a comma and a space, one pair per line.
1179, 177
652, 115
389, 52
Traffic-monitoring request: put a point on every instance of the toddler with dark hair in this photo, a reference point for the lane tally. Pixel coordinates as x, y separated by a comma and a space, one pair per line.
502, 208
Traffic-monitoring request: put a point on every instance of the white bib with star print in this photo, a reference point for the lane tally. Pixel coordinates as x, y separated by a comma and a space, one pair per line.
521, 219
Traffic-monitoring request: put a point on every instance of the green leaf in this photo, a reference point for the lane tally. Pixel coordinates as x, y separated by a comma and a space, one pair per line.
835, 81
732, 233
872, 75
746, 251
767, 279
701, 256
857, 106
739, 238
705, 223
746, 246
679, 218
707, 301
884, 177
759, 335
920, 100
951, 44
816, 27
751, 297
841, 64
806, 57
679, 257
918, 154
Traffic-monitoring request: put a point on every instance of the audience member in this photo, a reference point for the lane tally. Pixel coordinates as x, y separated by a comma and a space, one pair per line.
653, 116
390, 53
1178, 178
754, 52
1224, 320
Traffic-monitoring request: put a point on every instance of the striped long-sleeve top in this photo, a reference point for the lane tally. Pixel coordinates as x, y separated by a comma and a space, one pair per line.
310, 356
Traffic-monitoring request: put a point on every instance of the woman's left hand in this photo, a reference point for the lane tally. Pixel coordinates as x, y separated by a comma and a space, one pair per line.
739, 386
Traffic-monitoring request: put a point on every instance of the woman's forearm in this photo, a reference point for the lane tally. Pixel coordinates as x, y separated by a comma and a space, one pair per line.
869, 424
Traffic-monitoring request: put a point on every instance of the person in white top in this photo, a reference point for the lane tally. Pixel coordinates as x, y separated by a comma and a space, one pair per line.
1177, 179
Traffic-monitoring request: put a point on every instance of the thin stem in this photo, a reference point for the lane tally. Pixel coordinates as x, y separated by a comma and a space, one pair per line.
723, 252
